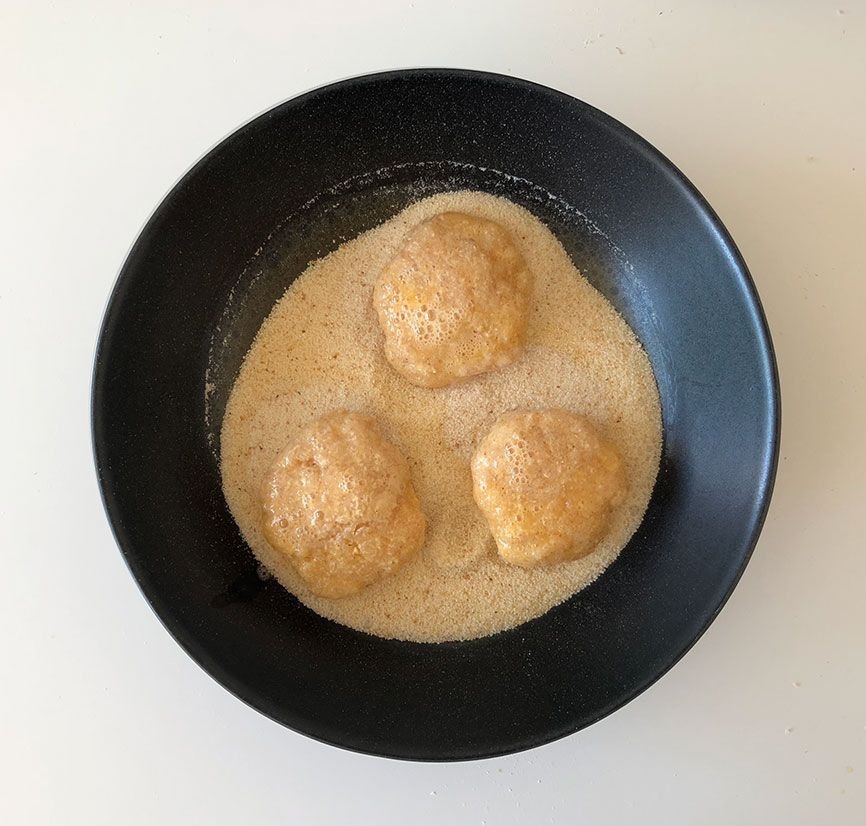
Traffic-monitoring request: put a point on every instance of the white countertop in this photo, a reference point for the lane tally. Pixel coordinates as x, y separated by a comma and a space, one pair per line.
103, 719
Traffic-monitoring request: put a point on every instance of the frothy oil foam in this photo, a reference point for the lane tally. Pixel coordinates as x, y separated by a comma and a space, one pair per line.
320, 349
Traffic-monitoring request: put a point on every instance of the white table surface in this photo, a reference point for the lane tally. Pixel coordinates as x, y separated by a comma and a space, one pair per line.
103, 719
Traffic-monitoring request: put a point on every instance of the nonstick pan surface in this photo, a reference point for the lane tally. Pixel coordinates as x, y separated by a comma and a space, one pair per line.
290, 186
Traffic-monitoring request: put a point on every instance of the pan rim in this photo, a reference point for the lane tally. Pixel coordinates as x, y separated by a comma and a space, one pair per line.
187, 640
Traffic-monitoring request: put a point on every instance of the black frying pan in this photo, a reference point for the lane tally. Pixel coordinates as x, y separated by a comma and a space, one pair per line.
291, 185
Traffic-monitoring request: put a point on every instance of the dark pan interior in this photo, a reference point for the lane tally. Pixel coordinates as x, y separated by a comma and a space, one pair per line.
287, 188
